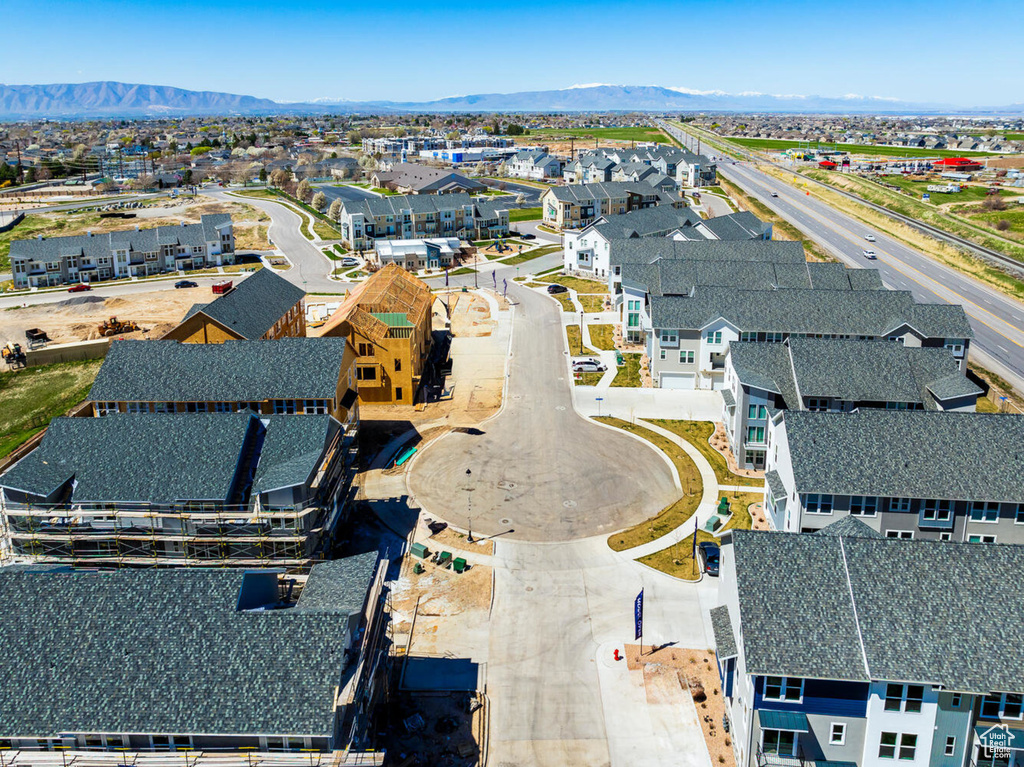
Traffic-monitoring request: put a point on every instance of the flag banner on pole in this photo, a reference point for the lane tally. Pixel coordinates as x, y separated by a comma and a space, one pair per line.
446, 276
694, 554
494, 278
638, 614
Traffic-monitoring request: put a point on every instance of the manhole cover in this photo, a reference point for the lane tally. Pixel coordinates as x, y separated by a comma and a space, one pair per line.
517, 396
569, 504
560, 407
529, 588
504, 485
505, 521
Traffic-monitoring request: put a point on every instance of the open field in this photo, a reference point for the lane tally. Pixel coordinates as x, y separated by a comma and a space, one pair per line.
30, 398
166, 212
644, 133
867, 150
966, 193
524, 214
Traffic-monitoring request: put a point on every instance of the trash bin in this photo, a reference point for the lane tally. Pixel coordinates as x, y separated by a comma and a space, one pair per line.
619, 360
464, 289
723, 505
459, 565
444, 559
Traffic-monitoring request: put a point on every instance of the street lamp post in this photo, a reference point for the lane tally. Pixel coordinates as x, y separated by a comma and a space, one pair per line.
469, 506
599, 401
581, 332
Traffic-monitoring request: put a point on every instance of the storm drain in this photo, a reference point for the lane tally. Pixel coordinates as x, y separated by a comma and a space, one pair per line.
506, 485
569, 504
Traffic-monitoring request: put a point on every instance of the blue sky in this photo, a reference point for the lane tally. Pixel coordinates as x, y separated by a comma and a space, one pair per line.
966, 54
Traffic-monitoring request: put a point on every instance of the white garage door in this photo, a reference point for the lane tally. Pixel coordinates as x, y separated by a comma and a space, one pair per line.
678, 381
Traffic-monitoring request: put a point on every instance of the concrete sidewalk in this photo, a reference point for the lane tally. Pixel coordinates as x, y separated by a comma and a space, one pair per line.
629, 403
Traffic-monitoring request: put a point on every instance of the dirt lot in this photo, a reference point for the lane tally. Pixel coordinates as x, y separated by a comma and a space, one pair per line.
698, 671
77, 318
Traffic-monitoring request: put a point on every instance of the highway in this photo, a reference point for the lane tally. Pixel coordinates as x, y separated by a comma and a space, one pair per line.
997, 320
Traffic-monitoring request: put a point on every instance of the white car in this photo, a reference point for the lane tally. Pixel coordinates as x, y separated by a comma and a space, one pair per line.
869, 237
588, 366
870, 255
775, 194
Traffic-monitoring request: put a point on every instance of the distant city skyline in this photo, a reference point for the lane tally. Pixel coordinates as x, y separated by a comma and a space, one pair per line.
938, 52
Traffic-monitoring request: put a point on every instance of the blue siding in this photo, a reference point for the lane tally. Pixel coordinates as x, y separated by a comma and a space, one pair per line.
828, 698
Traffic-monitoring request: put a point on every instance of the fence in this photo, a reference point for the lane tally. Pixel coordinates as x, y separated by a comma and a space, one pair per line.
67, 758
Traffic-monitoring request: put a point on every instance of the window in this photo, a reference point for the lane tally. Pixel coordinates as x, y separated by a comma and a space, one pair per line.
398, 366
984, 511
755, 434
662, 354
947, 536
365, 350
714, 337
757, 412
163, 407
897, 339
106, 408
783, 688
954, 701
366, 374
686, 358
907, 746
837, 734
936, 511
905, 535
981, 539
887, 746
863, 505
669, 337
633, 306
1018, 518
198, 407
284, 406
818, 503
779, 742
950, 748
908, 698
138, 407
398, 393
1012, 706
633, 321
990, 706
899, 504
956, 347
222, 407
817, 404
915, 697
314, 407
1007, 706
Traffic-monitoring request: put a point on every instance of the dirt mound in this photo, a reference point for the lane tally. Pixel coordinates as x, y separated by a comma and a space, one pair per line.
80, 301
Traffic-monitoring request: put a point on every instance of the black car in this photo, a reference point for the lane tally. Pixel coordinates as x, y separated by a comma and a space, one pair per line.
708, 553
186, 284
527, 236
552, 289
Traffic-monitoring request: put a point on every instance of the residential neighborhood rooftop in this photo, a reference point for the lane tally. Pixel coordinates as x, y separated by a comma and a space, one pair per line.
253, 306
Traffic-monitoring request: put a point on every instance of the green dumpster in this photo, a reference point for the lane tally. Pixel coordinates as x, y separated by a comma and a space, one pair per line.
723, 505
419, 550
619, 359
464, 289
444, 559
459, 564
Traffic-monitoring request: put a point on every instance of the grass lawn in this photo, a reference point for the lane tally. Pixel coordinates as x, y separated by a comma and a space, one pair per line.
673, 515
602, 336
524, 214
30, 398
644, 133
463, 270
677, 560
985, 405
629, 373
572, 332
591, 303
990, 219
917, 188
587, 379
529, 255
577, 284
565, 301
697, 434
325, 231
859, 149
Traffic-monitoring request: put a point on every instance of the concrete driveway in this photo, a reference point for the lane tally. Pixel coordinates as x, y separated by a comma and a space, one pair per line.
538, 468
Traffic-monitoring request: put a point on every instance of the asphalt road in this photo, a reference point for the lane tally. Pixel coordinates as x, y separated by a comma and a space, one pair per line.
997, 320
538, 467
531, 193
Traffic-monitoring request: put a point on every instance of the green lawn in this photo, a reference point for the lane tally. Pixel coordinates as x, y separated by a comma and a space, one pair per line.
629, 373
697, 434
325, 231
577, 284
858, 149
529, 255
1014, 215
587, 379
676, 513
602, 336
591, 303
645, 133
572, 333
565, 301
30, 398
524, 214
463, 270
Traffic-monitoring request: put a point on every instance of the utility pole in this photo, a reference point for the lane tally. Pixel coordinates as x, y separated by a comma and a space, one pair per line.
21, 172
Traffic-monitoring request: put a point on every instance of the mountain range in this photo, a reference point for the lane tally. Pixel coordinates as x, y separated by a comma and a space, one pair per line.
113, 99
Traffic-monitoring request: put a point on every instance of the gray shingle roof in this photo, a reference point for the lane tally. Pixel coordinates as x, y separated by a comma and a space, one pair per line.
162, 651
339, 585
909, 454
849, 526
235, 371
882, 609
842, 312
725, 641
256, 303
601, 190
646, 251
646, 222
736, 226
775, 485
291, 451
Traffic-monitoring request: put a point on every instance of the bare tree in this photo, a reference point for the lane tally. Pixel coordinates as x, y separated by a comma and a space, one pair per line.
319, 200
334, 212
304, 191
280, 177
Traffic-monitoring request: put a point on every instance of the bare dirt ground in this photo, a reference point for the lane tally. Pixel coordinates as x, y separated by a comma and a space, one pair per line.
470, 316
698, 671
77, 319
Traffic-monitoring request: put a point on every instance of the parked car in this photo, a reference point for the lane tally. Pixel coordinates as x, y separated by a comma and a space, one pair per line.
349, 261
581, 360
869, 237
186, 284
588, 367
870, 255
527, 236
709, 554
552, 289
80, 287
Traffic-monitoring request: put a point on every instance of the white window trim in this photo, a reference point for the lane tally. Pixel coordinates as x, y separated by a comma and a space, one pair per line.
832, 739
949, 748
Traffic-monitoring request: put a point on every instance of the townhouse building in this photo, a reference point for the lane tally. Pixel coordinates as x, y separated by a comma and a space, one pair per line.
684, 167
881, 655
579, 205
942, 475
828, 375
50, 261
590, 251
387, 321
588, 169
406, 217
263, 306
204, 654
416, 255
689, 335
410, 178
534, 164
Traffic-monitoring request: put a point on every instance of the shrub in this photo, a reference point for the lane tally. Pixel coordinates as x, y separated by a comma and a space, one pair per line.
1003, 225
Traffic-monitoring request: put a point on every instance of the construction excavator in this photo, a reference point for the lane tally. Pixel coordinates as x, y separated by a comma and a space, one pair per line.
13, 355
113, 326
